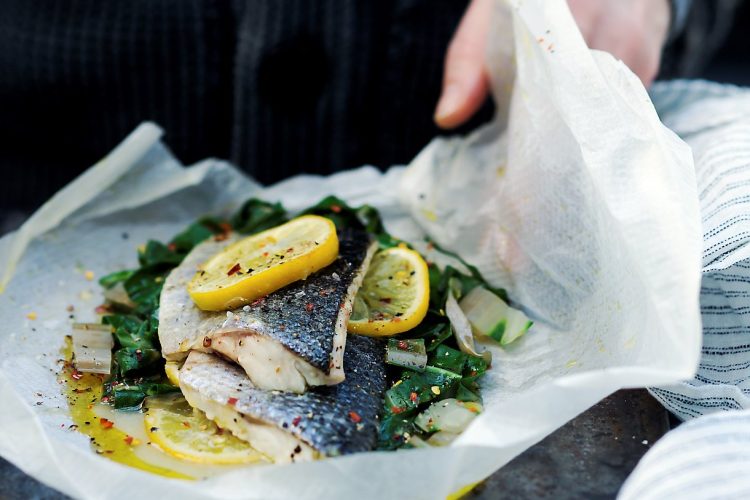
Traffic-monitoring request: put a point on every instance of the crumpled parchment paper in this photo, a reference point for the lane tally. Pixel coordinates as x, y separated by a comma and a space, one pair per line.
577, 199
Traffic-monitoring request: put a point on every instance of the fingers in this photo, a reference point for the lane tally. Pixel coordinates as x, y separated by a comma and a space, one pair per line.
633, 31
465, 80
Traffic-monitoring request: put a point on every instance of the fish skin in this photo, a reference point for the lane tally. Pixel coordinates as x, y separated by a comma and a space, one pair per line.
335, 420
303, 316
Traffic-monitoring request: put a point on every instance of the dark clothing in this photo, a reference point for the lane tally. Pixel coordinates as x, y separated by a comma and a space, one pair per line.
278, 87
698, 31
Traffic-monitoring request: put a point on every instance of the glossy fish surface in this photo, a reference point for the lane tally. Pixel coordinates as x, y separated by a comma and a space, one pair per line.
287, 427
289, 340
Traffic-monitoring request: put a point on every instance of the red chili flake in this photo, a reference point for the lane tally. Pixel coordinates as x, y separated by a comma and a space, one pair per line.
107, 424
265, 254
335, 209
206, 342
309, 307
396, 319
354, 416
258, 302
225, 227
396, 410
290, 250
128, 440
413, 397
234, 269
296, 421
172, 247
70, 308
101, 309
105, 399
186, 425
232, 401
76, 375
403, 345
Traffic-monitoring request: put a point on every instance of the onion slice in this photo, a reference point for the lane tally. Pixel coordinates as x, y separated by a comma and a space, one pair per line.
92, 346
490, 317
448, 415
462, 330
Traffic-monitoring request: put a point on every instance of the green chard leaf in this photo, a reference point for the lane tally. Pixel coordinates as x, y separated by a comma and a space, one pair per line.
394, 430
257, 215
131, 360
156, 253
475, 368
112, 279
195, 233
448, 358
469, 392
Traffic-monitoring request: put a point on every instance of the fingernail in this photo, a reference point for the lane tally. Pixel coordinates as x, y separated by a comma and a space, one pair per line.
449, 102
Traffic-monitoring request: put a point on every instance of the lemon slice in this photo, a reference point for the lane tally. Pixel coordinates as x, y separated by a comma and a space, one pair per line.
172, 369
394, 295
185, 433
260, 264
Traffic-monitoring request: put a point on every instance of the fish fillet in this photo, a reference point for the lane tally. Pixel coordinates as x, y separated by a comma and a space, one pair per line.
290, 340
288, 427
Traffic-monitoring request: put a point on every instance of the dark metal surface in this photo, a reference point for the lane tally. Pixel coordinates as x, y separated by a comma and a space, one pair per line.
590, 457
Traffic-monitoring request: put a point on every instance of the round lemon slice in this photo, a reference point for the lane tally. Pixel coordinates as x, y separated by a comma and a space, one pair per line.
260, 264
185, 433
394, 296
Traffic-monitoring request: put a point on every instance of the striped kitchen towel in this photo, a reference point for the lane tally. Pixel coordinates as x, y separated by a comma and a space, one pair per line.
710, 457
715, 121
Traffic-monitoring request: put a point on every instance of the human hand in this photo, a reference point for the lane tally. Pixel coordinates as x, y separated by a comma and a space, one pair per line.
631, 30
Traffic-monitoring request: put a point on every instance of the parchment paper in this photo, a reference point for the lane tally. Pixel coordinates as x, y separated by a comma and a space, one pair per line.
576, 199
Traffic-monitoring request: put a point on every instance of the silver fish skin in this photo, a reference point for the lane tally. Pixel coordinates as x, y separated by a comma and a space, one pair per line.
290, 340
288, 427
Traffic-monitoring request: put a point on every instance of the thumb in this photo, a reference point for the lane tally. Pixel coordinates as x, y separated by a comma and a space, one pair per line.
465, 81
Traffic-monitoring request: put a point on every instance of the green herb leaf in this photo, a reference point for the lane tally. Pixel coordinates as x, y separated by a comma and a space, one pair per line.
468, 392
196, 233
434, 329
393, 430
476, 276
156, 253
475, 367
131, 360
257, 215
343, 216
130, 331
449, 359
112, 279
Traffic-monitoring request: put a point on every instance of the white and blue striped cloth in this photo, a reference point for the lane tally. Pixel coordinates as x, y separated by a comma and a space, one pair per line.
710, 457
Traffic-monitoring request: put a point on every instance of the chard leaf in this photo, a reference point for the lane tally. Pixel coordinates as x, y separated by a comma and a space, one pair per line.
257, 215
